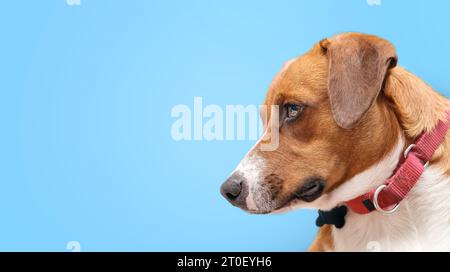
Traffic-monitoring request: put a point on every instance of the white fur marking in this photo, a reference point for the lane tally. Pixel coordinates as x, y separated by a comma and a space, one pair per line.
250, 167
422, 222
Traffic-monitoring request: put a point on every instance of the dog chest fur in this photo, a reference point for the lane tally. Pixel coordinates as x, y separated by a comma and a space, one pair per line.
420, 224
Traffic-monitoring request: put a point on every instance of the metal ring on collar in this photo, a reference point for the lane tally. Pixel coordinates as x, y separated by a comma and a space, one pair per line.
408, 149
377, 206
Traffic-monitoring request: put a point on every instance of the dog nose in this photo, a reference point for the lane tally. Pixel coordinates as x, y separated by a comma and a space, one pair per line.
234, 189
231, 189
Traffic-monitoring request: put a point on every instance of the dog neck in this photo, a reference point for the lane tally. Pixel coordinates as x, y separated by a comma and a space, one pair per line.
419, 224
418, 108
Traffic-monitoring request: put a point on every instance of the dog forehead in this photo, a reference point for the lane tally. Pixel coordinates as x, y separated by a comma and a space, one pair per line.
281, 83
298, 77
281, 75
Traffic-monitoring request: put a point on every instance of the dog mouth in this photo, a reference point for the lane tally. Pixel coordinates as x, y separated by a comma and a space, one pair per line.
286, 206
311, 190
280, 209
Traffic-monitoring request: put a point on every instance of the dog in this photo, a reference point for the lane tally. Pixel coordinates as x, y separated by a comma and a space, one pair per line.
347, 115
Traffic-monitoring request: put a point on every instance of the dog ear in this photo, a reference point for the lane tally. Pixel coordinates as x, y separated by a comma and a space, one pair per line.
358, 65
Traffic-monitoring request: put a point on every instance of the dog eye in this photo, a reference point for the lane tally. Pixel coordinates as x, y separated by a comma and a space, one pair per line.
293, 111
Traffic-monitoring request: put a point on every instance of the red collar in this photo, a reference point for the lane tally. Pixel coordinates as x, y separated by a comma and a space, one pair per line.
386, 197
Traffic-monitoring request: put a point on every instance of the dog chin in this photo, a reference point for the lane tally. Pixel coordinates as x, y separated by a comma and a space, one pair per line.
291, 205
258, 212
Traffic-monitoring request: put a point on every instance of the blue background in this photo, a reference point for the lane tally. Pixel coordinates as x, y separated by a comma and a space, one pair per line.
85, 99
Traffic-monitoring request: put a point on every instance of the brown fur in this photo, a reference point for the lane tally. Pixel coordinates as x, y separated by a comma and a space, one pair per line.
418, 108
323, 241
335, 138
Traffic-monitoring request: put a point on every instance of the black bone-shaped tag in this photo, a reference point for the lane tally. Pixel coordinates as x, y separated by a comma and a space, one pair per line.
336, 217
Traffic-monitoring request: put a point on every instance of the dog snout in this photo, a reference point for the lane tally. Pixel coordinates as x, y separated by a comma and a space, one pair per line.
235, 190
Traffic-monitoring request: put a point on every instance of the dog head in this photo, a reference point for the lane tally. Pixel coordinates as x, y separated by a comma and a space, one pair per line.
333, 123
